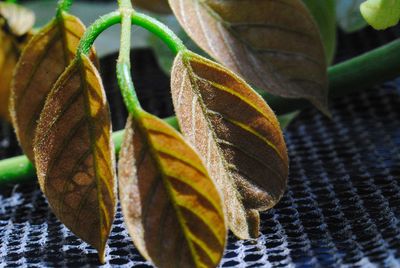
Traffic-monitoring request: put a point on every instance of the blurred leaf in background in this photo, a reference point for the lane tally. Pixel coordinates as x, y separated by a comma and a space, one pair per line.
324, 13
348, 15
381, 14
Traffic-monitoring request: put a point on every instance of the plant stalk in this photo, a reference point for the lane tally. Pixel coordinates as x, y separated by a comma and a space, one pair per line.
124, 63
63, 5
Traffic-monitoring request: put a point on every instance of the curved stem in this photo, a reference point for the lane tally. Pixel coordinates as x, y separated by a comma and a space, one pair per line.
149, 23
160, 30
94, 30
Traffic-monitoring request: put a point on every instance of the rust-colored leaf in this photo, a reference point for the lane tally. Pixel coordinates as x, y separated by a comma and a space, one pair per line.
15, 24
171, 207
157, 6
274, 45
237, 135
74, 154
42, 62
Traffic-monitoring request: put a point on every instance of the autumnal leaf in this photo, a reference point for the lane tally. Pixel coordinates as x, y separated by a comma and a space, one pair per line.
171, 207
236, 133
157, 6
74, 154
381, 14
19, 20
274, 45
15, 25
324, 13
42, 62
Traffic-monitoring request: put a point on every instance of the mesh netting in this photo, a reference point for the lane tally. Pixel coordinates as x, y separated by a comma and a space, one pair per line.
341, 207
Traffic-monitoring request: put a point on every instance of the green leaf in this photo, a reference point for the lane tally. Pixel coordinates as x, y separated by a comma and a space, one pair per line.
324, 13
172, 208
348, 15
381, 14
286, 119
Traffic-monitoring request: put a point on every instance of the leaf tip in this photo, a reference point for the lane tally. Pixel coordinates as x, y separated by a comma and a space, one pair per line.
102, 255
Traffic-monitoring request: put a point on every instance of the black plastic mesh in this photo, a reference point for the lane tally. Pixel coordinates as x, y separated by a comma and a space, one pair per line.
341, 208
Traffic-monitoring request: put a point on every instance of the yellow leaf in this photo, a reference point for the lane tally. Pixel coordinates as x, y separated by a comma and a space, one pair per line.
74, 154
274, 45
15, 25
171, 207
237, 135
42, 62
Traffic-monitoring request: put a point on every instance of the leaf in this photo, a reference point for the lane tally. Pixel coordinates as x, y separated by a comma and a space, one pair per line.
381, 14
74, 154
324, 13
274, 45
19, 20
348, 15
286, 119
8, 59
42, 62
13, 36
171, 207
237, 135
157, 6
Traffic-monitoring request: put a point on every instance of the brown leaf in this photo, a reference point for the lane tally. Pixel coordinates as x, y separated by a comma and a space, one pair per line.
236, 133
171, 207
157, 6
74, 154
15, 24
42, 62
274, 45
19, 20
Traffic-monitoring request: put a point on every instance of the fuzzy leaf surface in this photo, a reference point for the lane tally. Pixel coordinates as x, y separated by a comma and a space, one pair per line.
274, 45
42, 62
171, 207
157, 6
74, 154
237, 135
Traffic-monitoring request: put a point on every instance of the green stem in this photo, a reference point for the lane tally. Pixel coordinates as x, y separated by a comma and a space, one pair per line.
94, 30
359, 73
124, 63
160, 30
18, 169
63, 5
